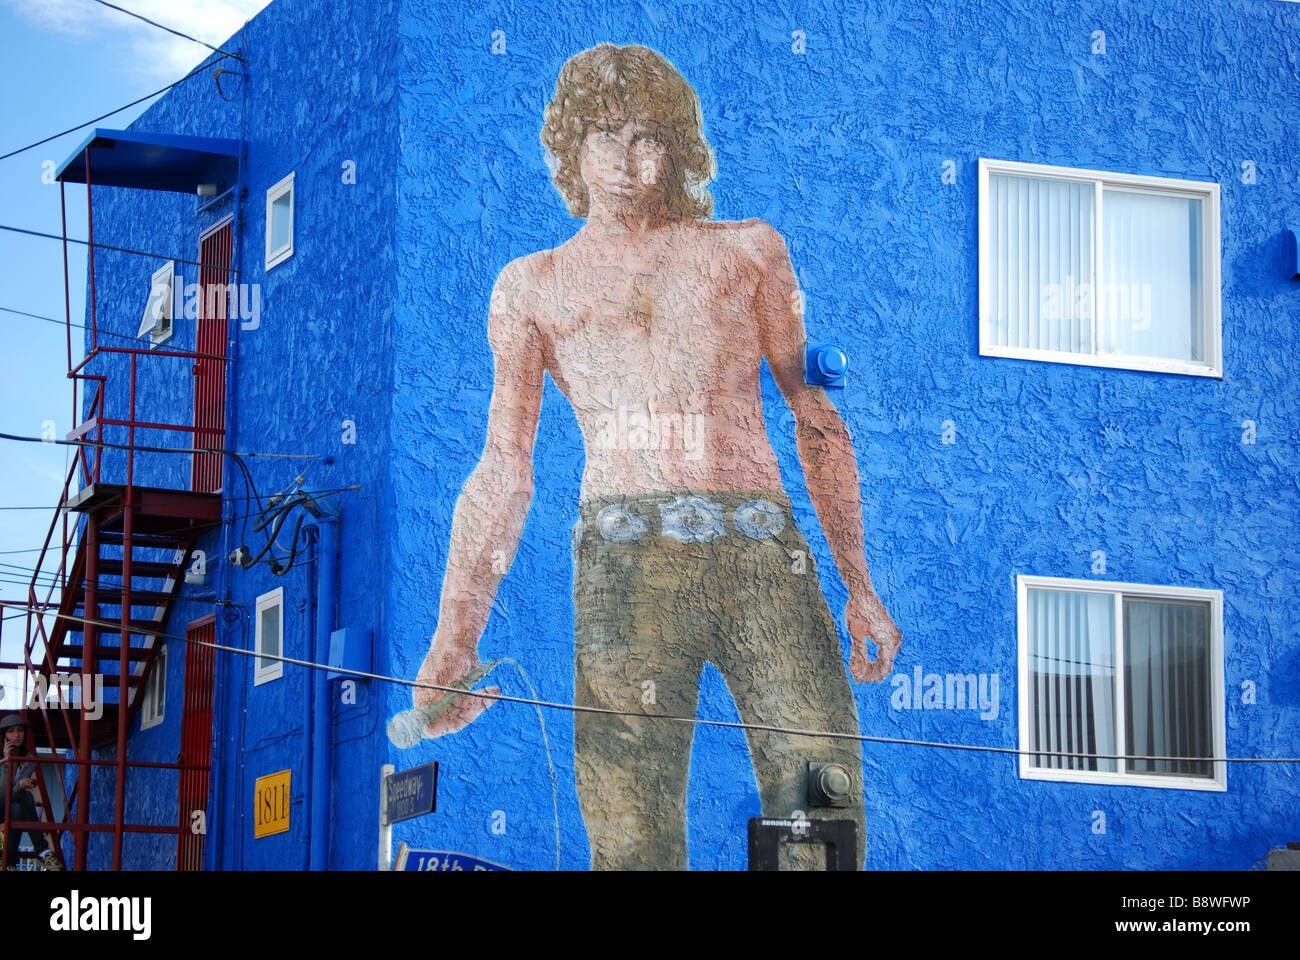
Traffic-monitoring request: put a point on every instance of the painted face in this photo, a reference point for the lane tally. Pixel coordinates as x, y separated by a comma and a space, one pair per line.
624, 161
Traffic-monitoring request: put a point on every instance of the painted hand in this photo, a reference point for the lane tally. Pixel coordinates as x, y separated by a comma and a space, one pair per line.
867, 618
447, 665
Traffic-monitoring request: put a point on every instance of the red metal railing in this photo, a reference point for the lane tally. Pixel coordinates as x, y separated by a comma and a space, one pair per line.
181, 830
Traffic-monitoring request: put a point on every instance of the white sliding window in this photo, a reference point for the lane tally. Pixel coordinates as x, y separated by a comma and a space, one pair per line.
1105, 269
1121, 683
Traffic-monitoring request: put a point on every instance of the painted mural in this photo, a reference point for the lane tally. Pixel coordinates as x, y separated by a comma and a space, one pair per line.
654, 320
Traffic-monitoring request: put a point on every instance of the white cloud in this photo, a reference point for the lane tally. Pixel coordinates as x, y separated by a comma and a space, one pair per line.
138, 46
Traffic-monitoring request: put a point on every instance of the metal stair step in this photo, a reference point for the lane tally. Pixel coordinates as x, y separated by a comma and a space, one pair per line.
151, 540
75, 651
135, 626
113, 595
139, 568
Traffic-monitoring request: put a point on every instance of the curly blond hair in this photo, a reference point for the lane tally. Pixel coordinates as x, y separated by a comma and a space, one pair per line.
632, 82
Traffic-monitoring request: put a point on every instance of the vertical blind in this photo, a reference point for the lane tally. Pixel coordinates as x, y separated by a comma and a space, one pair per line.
1041, 252
1166, 688
1167, 685
1072, 678
1145, 297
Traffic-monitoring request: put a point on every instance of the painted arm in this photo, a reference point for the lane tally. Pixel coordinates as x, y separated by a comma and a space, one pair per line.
826, 454
493, 504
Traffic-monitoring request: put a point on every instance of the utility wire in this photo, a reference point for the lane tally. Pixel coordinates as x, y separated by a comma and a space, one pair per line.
153, 23
106, 333
137, 506
668, 718
195, 71
550, 761
142, 449
108, 246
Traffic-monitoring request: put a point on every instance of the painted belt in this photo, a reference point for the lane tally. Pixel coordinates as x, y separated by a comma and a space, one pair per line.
693, 519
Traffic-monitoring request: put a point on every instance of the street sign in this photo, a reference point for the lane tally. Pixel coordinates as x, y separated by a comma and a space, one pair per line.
412, 861
411, 793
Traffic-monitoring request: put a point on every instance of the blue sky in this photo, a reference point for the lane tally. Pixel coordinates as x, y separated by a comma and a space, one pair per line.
63, 62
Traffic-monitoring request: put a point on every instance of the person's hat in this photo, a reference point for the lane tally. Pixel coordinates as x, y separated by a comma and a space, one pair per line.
13, 720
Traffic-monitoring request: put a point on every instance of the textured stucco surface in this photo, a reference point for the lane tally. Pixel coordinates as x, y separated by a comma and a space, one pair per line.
318, 91
380, 318
842, 149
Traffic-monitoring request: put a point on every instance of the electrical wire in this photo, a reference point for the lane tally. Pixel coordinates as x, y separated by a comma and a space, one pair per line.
107, 246
138, 506
197, 70
250, 485
139, 448
550, 761
50, 578
105, 333
669, 718
277, 566
276, 513
153, 23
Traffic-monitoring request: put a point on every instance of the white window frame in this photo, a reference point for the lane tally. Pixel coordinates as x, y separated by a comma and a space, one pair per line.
154, 706
284, 252
160, 328
1219, 782
1101, 179
264, 674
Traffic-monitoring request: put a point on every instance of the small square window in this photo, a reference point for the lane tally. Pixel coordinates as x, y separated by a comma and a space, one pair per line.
279, 222
270, 636
156, 323
1121, 683
155, 692
1096, 268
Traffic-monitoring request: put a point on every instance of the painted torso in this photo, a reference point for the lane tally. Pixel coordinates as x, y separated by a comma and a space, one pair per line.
655, 343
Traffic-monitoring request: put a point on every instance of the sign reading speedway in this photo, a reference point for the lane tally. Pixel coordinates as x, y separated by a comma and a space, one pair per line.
410, 793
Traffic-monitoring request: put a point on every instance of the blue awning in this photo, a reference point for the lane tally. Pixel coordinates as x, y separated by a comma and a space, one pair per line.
153, 161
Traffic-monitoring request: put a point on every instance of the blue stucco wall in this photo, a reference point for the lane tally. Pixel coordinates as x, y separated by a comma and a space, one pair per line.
379, 318
842, 148
317, 93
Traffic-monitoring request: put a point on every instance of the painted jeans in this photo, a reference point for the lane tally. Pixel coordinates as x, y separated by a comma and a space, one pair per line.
662, 585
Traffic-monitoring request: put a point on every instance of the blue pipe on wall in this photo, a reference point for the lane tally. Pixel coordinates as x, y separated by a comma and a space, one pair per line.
320, 758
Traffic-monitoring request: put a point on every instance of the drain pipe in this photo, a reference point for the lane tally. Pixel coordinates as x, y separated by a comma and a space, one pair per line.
320, 760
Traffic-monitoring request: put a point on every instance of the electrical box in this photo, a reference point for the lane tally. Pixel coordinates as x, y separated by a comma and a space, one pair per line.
350, 649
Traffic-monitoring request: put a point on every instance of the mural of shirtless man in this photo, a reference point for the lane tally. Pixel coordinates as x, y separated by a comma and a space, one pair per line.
653, 321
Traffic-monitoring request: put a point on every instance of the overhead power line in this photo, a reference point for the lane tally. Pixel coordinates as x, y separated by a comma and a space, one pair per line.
105, 116
153, 23
102, 333
137, 506
667, 718
108, 246
138, 448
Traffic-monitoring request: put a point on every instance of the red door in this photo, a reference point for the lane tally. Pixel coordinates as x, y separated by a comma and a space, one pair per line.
210, 370
196, 741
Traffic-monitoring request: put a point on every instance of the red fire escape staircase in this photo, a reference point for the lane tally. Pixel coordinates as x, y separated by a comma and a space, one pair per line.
93, 611
123, 556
